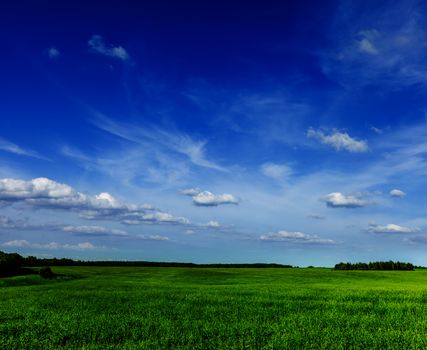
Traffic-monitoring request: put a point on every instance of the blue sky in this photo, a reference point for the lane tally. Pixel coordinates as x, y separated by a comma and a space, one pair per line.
288, 132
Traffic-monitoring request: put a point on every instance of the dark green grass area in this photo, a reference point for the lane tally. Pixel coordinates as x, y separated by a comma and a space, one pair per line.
188, 308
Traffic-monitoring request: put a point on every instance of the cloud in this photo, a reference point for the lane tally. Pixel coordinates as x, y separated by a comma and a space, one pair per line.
339, 200
316, 217
177, 142
208, 199
381, 45
212, 224
52, 52
417, 240
295, 237
367, 46
153, 237
10, 147
94, 231
49, 194
391, 228
339, 141
190, 191
397, 193
97, 44
276, 171
21, 243
376, 130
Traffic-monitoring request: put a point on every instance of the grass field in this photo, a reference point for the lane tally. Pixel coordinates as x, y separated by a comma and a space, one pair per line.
185, 308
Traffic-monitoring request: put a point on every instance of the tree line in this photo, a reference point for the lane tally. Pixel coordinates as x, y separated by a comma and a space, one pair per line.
12, 264
376, 265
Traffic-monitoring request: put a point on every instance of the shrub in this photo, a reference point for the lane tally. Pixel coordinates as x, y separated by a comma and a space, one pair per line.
46, 272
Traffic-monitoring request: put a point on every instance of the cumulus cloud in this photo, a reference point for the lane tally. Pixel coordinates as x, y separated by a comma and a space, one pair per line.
97, 44
93, 231
53, 52
49, 194
21, 243
295, 237
208, 199
392, 228
339, 140
339, 200
276, 171
397, 193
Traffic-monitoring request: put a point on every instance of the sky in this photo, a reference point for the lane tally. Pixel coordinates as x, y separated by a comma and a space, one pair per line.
291, 132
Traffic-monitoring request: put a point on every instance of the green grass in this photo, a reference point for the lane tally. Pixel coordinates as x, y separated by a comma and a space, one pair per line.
185, 308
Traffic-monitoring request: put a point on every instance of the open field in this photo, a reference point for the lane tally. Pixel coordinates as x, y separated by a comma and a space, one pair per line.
195, 308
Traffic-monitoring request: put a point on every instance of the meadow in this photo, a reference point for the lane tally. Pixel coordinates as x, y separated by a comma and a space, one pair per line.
214, 308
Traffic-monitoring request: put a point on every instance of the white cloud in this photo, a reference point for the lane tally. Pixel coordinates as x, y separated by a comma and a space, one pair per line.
391, 228
397, 193
53, 52
295, 237
97, 44
93, 230
191, 191
276, 171
213, 224
153, 237
208, 199
339, 200
339, 140
10, 147
49, 194
21, 243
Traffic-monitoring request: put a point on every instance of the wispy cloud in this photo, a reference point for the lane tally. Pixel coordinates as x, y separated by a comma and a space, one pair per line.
10, 147
53, 52
154, 237
276, 171
94, 230
382, 45
392, 228
97, 44
176, 141
339, 140
295, 237
21, 243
